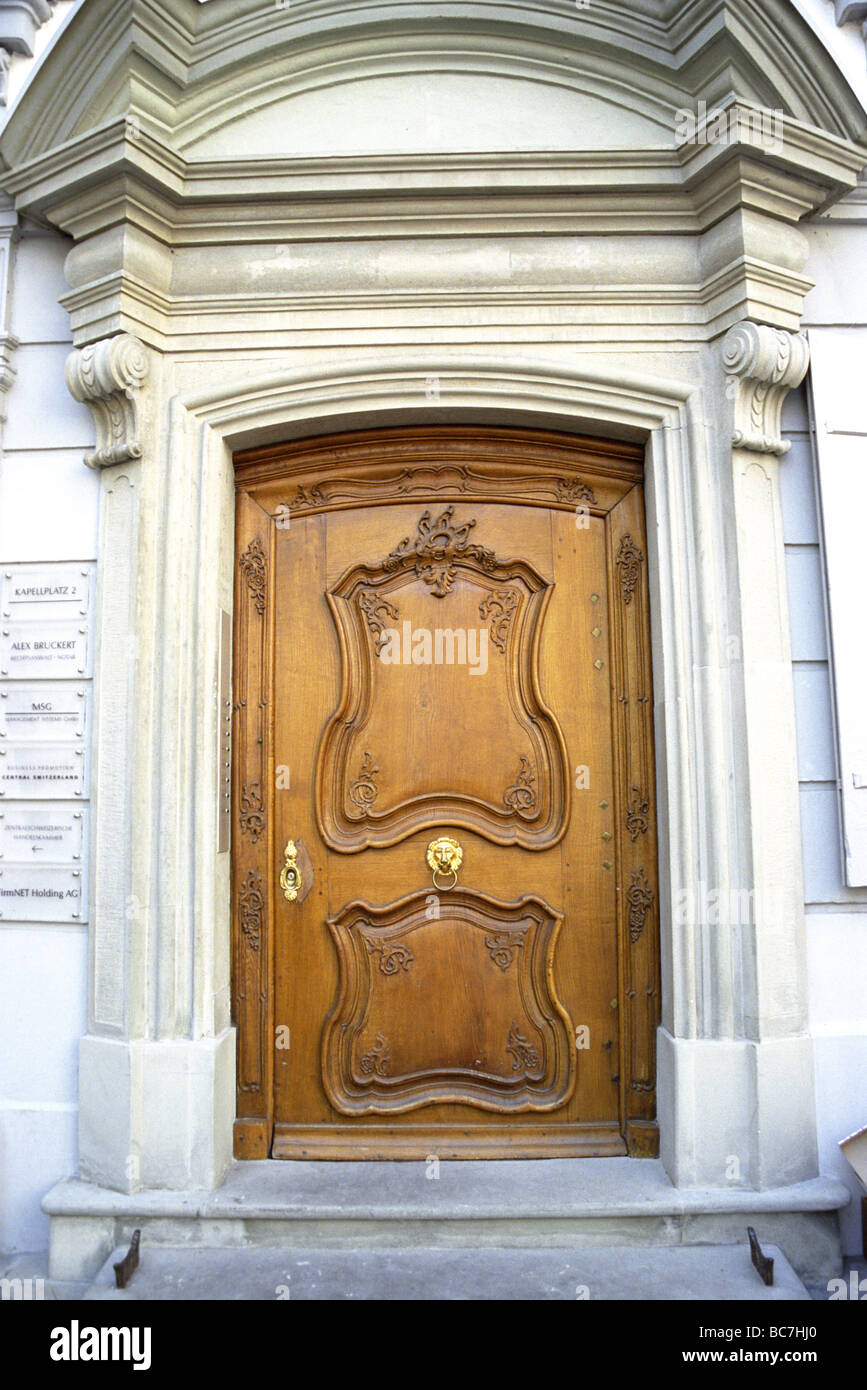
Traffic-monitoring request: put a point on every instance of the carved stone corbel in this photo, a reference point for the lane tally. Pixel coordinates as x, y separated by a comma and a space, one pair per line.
763, 364
20, 22
8, 345
5, 61
106, 377
8, 342
851, 11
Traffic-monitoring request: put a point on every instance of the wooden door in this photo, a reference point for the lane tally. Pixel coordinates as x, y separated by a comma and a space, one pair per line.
441, 635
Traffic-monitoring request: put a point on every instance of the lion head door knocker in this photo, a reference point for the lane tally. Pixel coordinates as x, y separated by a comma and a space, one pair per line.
444, 856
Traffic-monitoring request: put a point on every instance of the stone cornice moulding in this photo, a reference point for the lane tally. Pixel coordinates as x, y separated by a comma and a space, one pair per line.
68, 186
764, 364
605, 21
107, 377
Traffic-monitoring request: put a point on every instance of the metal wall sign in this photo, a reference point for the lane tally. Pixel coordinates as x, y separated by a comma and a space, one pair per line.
50, 832
43, 712
41, 893
38, 770
45, 701
41, 592
44, 649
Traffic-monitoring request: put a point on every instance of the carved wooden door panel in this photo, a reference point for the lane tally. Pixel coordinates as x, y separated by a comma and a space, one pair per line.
444, 861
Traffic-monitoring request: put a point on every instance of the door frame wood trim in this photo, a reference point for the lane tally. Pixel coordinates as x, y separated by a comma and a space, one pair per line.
466, 464
252, 852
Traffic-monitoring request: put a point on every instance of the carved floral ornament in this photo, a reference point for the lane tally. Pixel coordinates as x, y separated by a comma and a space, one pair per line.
521, 795
379, 614
432, 552
637, 813
377, 1062
524, 1057
251, 904
251, 815
629, 561
253, 567
364, 790
393, 956
575, 492
640, 899
499, 609
502, 947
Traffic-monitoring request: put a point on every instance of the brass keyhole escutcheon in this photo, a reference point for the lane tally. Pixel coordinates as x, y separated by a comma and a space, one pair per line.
444, 856
290, 874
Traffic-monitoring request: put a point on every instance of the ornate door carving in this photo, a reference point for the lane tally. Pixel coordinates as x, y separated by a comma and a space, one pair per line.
462, 602
397, 967
444, 633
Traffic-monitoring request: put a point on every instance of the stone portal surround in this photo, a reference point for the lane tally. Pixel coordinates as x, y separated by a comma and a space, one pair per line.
735, 1059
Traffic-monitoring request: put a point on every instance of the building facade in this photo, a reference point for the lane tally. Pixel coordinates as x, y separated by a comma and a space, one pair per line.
229, 228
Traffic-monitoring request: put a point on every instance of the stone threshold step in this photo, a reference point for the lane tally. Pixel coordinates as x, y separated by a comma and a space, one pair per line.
558, 1189
663, 1274
536, 1205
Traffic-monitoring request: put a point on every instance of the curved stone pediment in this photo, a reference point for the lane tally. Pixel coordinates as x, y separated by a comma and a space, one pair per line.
178, 71
478, 106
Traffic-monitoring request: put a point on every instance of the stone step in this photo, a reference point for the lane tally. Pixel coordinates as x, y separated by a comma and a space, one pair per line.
698, 1272
537, 1205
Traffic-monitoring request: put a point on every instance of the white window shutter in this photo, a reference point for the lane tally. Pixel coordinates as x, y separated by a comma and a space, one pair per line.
838, 358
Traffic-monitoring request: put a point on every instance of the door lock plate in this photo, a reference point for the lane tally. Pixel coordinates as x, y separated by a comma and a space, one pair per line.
290, 874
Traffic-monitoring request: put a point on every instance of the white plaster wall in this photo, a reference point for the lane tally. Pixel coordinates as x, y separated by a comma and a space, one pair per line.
48, 511
836, 914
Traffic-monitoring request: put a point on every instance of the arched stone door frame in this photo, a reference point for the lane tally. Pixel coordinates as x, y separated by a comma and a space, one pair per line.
734, 1055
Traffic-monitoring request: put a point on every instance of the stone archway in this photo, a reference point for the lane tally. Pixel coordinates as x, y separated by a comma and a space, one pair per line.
170, 508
